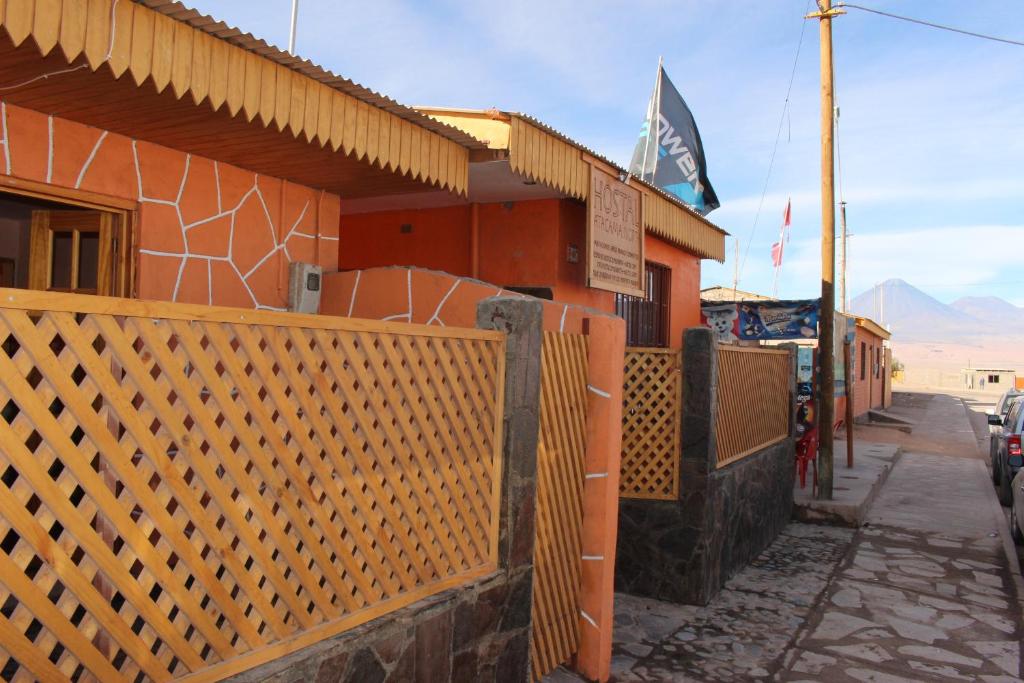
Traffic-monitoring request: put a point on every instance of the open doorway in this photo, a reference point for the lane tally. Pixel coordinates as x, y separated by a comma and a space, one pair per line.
62, 247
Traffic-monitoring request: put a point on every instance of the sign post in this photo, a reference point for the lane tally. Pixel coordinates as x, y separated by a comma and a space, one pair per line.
615, 235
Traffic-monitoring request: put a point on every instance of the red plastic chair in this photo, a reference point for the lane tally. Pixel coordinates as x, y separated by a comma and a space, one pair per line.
807, 454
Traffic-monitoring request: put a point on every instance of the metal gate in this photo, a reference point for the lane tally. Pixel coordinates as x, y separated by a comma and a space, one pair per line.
561, 454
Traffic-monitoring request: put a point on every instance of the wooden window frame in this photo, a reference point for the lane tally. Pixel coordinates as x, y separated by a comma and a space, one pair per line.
125, 210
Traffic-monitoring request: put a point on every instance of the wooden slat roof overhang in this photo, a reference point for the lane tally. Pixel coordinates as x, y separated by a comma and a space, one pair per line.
544, 155
159, 71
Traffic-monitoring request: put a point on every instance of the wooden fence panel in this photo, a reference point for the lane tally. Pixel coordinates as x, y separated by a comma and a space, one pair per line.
195, 491
753, 400
561, 455
652, 399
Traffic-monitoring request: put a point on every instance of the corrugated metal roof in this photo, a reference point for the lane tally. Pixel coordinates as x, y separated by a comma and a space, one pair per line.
597, 155
247, 41
579, 145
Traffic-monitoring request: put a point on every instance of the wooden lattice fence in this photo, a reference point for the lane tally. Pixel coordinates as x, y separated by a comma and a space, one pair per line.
561, 453
194, 491
652, 386
753, 400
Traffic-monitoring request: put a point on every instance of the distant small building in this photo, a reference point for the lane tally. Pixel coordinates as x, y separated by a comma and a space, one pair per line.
872, 366
870, 351
991, 380
726, 294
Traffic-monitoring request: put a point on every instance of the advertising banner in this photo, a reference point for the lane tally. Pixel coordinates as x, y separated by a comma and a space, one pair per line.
762, 320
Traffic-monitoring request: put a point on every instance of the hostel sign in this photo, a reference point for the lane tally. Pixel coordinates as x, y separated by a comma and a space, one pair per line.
615, 235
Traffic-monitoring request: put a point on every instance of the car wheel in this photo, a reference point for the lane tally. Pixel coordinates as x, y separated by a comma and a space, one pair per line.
1005, 490
1015, 532
995, 469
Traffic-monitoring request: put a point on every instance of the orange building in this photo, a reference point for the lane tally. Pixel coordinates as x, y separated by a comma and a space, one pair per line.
153, 152
523, 227
871, 366
147, 151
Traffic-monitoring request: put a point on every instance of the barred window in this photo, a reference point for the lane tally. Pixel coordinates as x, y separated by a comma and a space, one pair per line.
647, 316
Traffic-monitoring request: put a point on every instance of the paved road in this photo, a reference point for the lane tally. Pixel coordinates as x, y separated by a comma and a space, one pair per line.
924, 592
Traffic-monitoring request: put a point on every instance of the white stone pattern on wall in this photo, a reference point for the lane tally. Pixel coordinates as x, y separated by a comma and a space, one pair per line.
300, 239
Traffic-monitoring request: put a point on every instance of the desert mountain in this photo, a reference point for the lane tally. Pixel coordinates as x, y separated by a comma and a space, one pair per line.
992, 310
912, 315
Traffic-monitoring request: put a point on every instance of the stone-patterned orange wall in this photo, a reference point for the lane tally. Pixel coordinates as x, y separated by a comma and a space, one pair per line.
207, 232
521, 244
427, 297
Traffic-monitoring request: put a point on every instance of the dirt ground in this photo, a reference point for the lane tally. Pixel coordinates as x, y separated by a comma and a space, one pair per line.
912, 405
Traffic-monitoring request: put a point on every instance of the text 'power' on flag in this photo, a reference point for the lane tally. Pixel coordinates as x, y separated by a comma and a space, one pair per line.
669, 153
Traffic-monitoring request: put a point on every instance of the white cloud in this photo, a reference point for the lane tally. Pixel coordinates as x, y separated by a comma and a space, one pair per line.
943, 259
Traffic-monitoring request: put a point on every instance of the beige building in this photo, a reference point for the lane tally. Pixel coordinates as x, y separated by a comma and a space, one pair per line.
989, 380
726, 294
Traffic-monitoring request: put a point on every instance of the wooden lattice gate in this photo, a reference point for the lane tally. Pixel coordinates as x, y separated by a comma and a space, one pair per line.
650, 424
268, 480
560, 474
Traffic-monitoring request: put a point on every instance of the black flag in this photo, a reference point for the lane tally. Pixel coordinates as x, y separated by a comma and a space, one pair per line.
673, 158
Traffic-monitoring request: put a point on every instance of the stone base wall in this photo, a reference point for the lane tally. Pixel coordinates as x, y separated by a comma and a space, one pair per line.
684, 550
752, 502
475, 633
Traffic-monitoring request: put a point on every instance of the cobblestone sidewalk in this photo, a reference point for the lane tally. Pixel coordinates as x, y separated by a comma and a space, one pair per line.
924, 593
744, 632
910, 606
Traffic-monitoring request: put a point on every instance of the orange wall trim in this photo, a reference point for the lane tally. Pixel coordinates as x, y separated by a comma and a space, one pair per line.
207, 232
428, 297
601, 495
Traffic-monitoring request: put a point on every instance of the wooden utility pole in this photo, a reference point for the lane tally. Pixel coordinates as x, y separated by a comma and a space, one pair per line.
826, 336
847, 349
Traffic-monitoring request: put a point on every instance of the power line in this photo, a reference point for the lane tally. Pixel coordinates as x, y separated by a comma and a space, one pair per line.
775, 147
933, 25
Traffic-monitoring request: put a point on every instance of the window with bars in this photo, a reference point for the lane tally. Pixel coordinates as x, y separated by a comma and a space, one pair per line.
647, 316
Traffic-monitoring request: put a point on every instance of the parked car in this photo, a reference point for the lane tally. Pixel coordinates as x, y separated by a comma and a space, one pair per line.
1017, 509
995, 428
1009, 458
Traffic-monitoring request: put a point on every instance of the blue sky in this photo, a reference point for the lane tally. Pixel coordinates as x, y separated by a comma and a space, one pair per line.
931, 126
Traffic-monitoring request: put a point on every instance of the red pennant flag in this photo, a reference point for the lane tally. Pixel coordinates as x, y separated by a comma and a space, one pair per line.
777, 254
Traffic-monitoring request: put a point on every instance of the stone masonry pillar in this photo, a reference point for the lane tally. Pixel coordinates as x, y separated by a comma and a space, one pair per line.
521, 320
